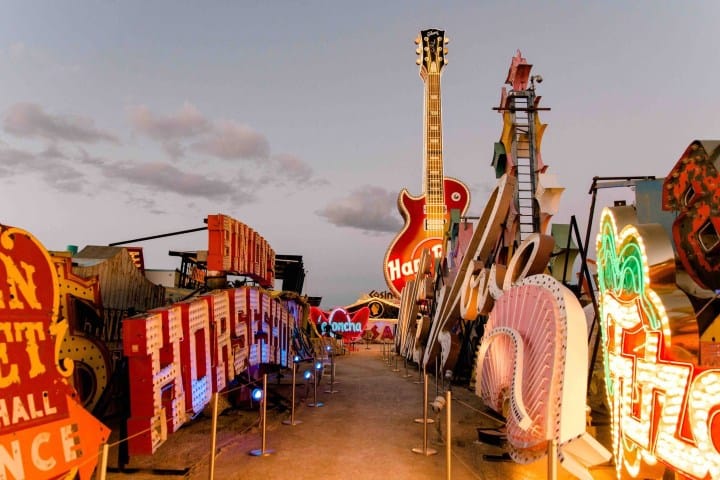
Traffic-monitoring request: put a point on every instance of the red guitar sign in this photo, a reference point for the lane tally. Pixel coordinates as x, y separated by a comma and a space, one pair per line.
426, 216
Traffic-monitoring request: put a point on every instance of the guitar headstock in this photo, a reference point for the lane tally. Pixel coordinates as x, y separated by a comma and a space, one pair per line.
432, 51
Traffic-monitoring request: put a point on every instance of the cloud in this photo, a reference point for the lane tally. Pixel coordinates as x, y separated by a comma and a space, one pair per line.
49, 164
369, 208
13, 161
186, 122
292, 168
169, 178
29, 120
232, 141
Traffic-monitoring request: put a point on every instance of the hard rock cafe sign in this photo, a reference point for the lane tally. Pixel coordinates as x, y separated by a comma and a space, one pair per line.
44, 431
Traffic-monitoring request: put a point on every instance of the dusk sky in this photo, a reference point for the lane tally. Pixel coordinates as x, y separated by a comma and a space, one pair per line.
303, 119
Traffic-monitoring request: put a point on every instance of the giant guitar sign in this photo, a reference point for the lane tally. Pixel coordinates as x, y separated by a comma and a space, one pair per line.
44, 431
426, 216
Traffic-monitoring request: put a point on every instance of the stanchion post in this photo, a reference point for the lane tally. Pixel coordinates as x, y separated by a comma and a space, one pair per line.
292, 421
425, 450
102, 468
552, 460
317, 367
424, 418
395, 357
448, 435
332, 374
407, 374
213, 435
421, 370
263, 452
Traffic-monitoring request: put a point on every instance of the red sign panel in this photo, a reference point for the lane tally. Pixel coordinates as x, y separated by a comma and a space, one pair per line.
235, 248
340, 322
44, 431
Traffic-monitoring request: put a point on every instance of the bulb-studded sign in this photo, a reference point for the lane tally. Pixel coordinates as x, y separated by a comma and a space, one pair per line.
44, 431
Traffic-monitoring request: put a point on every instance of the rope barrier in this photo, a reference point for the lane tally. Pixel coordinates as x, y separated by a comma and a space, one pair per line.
467, 467
224, 392
470, 407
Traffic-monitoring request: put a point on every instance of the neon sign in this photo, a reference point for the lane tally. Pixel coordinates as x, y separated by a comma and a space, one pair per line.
44, 431
235, 248
179, 355
535, 343
339, 321
691, 188
664, 405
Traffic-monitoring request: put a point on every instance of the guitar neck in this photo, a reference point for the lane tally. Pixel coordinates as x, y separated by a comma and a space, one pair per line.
433, 163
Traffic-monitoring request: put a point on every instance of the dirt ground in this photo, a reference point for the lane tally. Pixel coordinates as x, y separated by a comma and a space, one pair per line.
364, 431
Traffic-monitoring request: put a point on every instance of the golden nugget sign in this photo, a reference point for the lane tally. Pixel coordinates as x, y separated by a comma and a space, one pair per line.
44, 432
664, 404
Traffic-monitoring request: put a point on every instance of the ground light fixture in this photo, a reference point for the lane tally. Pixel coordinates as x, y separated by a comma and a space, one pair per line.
257, 394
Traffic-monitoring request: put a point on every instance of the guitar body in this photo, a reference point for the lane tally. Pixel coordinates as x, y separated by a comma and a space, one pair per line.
404, 251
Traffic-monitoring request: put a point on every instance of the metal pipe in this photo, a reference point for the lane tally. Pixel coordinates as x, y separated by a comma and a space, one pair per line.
152, 237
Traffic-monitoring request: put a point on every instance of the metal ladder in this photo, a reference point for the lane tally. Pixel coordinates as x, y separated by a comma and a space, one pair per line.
523, 110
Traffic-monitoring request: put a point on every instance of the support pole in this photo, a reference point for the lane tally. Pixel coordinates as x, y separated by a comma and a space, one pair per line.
425, 450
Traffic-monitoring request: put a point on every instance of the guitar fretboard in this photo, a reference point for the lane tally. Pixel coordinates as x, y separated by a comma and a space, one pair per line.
435, 203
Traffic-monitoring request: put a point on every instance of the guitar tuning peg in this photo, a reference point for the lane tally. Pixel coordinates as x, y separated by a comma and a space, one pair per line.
418, 50
418, 61
417, 40
446, 40
426, 49
445, 50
